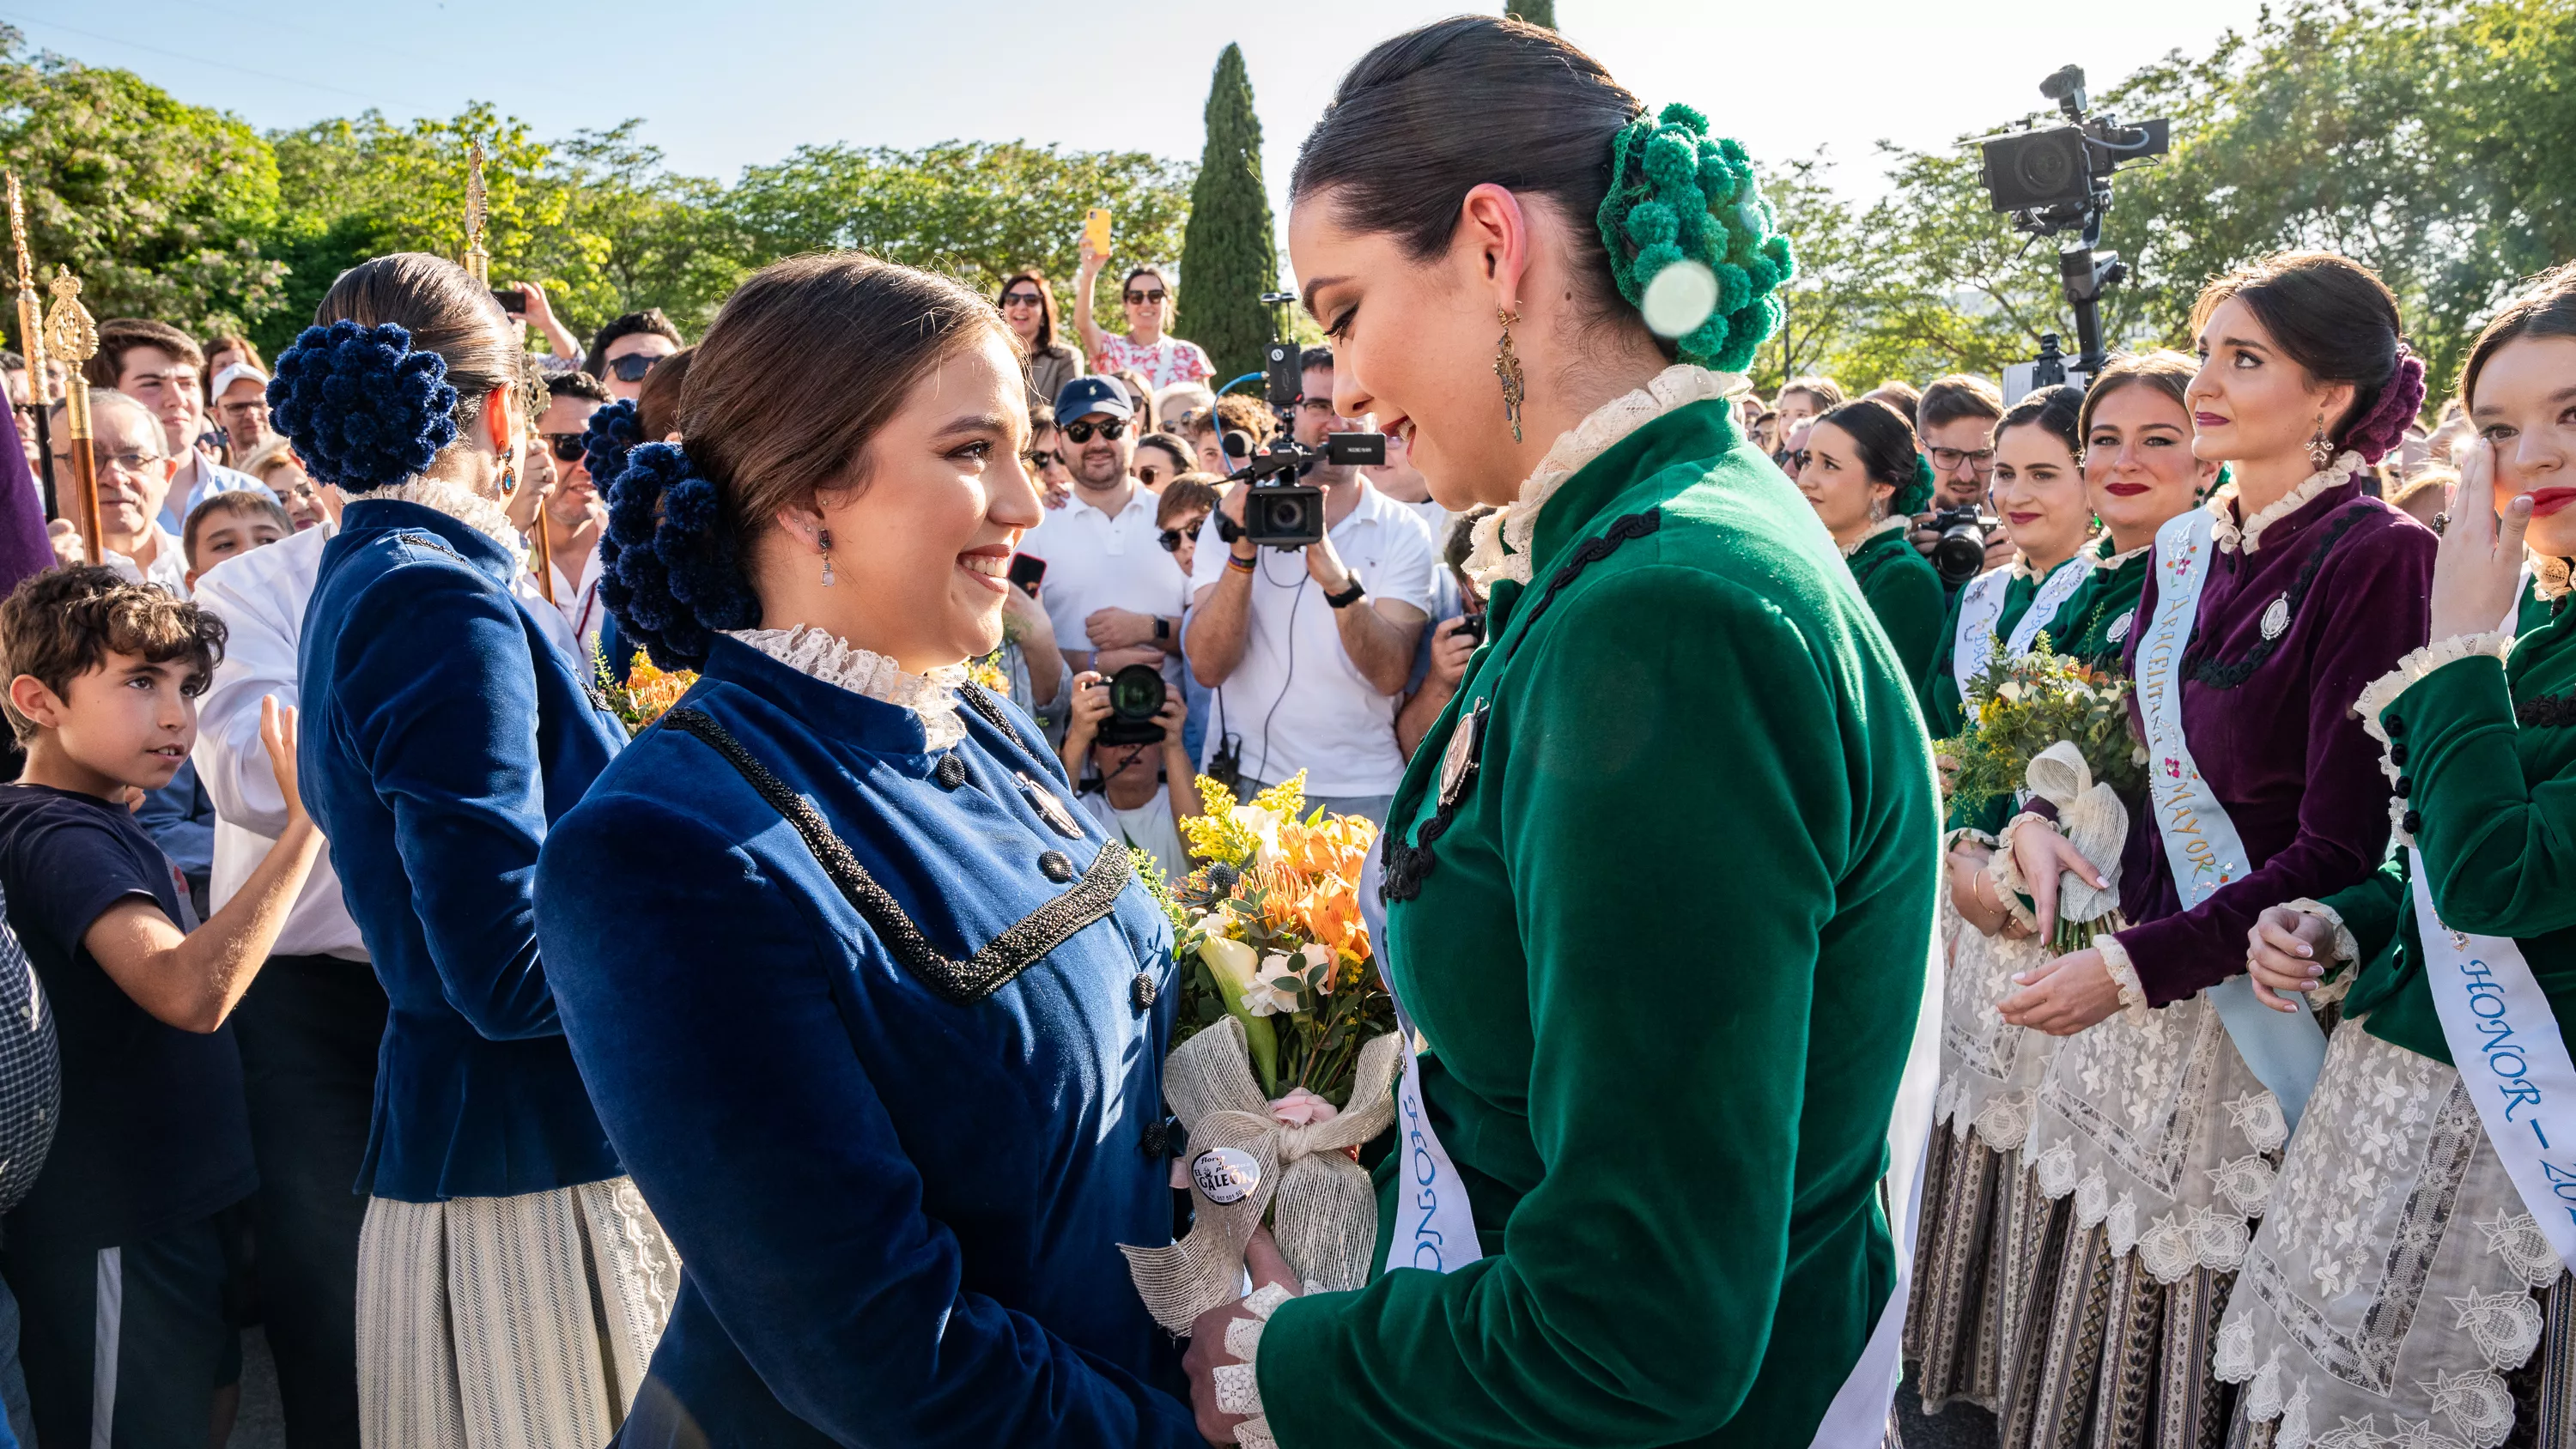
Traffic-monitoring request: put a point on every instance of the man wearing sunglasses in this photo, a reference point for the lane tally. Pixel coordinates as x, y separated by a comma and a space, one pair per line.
626, 349
1112, 594
572, 510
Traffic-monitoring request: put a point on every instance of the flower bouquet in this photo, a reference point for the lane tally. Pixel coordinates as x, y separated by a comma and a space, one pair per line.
645, 692
1285, 1052
2048, 726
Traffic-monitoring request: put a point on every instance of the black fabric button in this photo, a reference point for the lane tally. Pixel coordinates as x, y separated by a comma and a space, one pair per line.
950, 772
2394, 726
1142, 991
1150, 1141
2404, 787
2412, 823
1057, 867
2397, 754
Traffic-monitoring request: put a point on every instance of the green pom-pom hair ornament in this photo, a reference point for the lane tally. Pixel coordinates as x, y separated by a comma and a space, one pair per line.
1915, 495
1693, 245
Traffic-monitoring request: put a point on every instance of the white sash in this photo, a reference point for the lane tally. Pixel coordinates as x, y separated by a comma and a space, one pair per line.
2512, 624
1975, 644
2284, 1049
1435, 1220
2512, 1057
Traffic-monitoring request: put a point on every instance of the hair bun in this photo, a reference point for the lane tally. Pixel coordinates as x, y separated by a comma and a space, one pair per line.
361, 407
2400, 399
611, 434
669, 566
1678, 196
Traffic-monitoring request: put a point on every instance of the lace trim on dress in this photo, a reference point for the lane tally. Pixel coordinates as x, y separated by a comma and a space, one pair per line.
809, 650
2124, 974
464, 505
1238, 1385
2382, 692
2005, 871
2341, 948
2114, 560
1515, 524
2231, 535
1891, 524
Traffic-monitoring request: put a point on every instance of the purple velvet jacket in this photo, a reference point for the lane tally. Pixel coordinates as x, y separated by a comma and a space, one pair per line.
2272, 728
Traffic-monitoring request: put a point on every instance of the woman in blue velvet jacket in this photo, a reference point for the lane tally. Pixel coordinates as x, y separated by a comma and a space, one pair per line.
508, 1276
872, 1013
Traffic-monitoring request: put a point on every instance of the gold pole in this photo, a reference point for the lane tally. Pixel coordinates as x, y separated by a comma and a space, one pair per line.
31, 332
72, 335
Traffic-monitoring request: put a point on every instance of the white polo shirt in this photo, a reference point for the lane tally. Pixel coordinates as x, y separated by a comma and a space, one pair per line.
1296, 701
1098, 560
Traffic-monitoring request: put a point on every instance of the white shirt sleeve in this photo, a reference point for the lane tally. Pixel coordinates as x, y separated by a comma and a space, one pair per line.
1207, 564
263, 617
1408, 567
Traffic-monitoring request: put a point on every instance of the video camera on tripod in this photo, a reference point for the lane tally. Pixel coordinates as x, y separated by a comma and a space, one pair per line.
2054, 179
1280, 512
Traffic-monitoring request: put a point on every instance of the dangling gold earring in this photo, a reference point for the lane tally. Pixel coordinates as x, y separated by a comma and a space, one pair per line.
823, 541
2321, 447
1508, 368
509, 479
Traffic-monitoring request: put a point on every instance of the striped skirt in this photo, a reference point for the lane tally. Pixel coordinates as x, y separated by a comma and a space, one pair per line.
508, 1322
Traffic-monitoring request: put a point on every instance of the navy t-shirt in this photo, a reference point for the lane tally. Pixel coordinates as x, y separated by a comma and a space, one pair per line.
154, 1132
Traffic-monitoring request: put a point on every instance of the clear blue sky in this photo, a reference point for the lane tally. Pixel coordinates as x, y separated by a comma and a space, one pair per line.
721, 86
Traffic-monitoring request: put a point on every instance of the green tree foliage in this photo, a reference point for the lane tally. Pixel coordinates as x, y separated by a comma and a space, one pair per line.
1230, 255
159, 207
976, 210
1536, 12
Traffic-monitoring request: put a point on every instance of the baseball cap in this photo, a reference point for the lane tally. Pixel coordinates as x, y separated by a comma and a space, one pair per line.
237, 372
1093, 395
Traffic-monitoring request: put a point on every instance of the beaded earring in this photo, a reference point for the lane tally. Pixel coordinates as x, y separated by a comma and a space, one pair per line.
2320, 447
823, 541
1507, 367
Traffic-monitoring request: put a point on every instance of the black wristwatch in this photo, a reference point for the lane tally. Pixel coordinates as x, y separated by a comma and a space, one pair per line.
1349, 596
1227, 530
1162, 627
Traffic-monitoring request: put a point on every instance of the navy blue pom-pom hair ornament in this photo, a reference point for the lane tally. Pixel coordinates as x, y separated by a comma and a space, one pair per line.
1693, 245
607, 439
362, 408
669, 566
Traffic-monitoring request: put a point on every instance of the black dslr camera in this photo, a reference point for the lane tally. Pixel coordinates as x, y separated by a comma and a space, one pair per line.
1135, 697
1960, 553
1281, 512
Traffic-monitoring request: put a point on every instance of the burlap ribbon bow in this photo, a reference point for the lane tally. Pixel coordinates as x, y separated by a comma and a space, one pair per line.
2091, 817
1327, 1212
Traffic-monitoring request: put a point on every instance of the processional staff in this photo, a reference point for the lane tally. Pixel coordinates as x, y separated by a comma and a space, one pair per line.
31, 333
72, 335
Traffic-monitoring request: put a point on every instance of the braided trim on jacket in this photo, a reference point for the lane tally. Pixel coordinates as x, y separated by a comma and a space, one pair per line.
1408, 864
2229, 676
960, 983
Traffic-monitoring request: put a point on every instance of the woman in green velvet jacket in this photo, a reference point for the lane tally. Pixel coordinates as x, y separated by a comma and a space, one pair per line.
2404, 1240
1866, 479
1659, 882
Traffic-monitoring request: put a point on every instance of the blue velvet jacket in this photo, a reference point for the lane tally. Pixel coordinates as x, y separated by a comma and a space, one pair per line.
897, 1188
442, 736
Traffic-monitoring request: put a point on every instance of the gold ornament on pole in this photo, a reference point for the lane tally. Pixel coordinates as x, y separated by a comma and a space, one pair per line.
72, 335
477, 262
31, 334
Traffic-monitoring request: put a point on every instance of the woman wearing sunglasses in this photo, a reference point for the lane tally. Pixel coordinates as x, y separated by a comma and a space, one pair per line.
1145, 349
1028, 305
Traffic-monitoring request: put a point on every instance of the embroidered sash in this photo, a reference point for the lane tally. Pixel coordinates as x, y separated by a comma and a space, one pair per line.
2285, 1050
1433, 1227
2512, 1058
1975, 645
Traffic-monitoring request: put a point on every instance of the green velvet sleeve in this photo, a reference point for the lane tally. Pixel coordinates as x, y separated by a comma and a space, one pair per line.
2499, 854
2370, 911
1906, 597
1678, 847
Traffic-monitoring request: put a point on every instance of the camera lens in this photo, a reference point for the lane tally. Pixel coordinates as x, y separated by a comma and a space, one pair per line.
1136, 692
2046, 170
1283, 515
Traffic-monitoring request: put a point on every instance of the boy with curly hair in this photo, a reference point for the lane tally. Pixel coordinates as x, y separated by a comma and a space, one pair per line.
116, 1256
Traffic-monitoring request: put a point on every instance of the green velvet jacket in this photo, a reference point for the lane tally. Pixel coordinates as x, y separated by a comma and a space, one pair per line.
2094, 625
1666, 944
2486, 755
2078, 629
1904, 592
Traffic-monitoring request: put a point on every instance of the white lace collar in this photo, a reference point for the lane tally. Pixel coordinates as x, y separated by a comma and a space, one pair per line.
2023, 568
464, 505
2231, 536
809, 650
1516, 523
2110, 561
1893, 523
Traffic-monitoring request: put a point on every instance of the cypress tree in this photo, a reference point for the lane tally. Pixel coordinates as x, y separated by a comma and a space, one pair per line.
1228, 254
1536, 12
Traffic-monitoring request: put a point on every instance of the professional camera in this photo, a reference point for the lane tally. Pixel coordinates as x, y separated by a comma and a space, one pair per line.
1960, 553
1135, 697
2055, 179
1281, 512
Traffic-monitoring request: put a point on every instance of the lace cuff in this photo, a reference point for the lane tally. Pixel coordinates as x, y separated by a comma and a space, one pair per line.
2382, 692
1965, 835
2124, 974
2005, 871
1238, 1385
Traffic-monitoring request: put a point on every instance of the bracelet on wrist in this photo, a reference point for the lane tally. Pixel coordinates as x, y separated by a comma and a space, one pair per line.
1239, 562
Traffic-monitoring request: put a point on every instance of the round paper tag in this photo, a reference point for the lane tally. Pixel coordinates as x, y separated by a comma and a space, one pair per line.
1225, 1175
